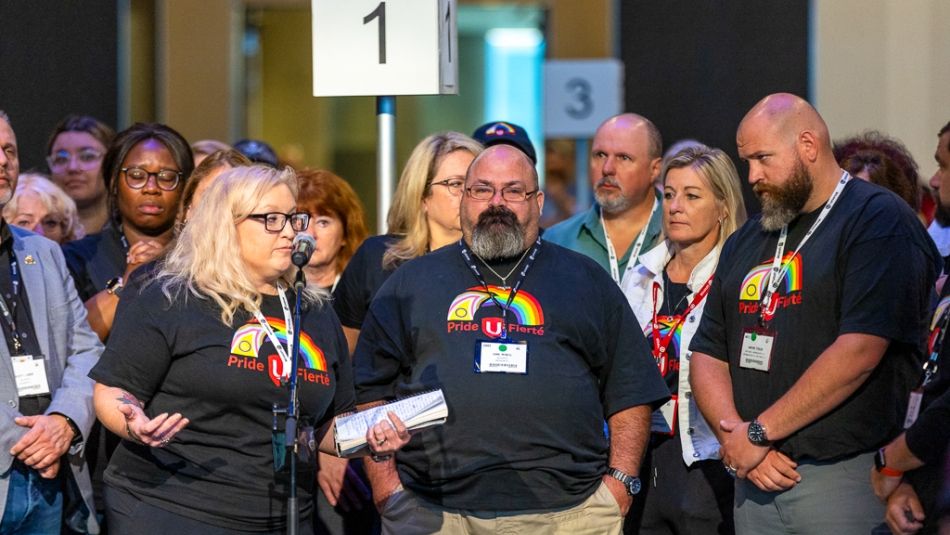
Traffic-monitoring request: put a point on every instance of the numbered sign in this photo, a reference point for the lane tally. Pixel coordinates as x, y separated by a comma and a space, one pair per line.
388, 47
579, 95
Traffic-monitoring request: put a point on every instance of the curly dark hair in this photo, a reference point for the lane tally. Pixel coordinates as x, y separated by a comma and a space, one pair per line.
886, 160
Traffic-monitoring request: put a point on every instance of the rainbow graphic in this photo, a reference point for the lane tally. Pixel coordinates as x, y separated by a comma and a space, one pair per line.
666, 323
525, 308
753, 285
500, 129
248, 339
938, 313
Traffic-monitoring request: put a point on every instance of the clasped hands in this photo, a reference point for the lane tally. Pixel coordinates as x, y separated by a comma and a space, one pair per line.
46, 441
767, 468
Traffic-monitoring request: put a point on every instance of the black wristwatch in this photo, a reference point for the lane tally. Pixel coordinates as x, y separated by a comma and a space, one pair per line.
114, 286
632, 483
77, 435
757, 434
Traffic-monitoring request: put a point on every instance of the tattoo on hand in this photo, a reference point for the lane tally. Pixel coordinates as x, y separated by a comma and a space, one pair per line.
129, 399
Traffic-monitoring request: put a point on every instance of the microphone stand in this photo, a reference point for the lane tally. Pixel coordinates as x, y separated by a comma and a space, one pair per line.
293, 410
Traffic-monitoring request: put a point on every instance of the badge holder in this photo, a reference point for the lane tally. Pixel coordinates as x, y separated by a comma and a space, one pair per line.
756, 352
502, 355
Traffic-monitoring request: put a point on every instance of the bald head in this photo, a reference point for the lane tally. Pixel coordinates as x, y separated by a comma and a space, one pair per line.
631, 122
787, 116
505, 156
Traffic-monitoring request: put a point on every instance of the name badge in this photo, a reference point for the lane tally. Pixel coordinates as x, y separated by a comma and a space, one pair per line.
663, 420
913, 407
501, 357
30, 373
756, 353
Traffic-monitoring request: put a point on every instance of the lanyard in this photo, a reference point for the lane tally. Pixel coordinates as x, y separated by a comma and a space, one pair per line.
472, 265
660, 344
288, 321
7, 314
930, 367
778, 271
612, 253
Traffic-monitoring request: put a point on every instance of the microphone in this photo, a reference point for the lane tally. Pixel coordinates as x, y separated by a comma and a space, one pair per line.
303, 247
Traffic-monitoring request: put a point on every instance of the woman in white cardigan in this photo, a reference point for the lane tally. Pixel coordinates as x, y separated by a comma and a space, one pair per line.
687, 490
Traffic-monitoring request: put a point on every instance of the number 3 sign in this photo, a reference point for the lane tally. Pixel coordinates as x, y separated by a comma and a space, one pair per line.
579, 95
388, 47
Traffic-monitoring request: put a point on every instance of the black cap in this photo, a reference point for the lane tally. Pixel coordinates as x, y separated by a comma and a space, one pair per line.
498, 132
257, 151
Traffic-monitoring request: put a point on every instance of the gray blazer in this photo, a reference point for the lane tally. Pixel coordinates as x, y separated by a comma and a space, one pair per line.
70, 347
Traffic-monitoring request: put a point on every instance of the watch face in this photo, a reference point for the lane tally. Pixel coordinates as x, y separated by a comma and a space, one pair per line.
633, 486
757, 434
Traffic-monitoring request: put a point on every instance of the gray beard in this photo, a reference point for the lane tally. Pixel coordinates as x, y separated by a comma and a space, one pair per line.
782, 206
505, 242
776, 216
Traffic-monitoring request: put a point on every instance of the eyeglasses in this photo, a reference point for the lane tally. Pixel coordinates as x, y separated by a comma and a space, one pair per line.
513, 193
88, 159
454, 185
137, 178
276, 221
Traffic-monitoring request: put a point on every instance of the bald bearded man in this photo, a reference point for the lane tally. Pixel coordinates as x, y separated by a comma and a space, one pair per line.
811, 336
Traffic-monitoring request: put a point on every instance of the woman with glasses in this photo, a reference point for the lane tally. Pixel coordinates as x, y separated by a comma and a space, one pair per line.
74, 155
41, 206
686, 489
424, 216
194, 367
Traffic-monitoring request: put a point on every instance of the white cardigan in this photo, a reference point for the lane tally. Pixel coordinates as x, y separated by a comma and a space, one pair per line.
699, 442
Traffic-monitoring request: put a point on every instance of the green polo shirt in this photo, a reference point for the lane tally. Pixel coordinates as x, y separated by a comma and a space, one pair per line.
584, 234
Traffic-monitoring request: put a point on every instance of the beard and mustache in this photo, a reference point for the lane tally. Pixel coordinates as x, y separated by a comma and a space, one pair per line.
498, 234
782, 204
611, 204
942, 213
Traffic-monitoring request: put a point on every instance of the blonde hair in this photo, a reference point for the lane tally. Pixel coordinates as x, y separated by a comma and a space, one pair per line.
206, 258
53, 198
406, 215
717, 169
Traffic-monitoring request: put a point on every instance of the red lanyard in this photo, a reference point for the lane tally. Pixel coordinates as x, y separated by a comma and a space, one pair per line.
660, 344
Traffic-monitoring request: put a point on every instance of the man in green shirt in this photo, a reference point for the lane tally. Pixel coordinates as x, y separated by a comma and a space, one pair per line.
626, 220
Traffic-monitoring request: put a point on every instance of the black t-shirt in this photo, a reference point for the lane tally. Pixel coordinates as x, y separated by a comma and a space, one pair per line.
361, 278
96, 259
869, 268
179, 357
512, 442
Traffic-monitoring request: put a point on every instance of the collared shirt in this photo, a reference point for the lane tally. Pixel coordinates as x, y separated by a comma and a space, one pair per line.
32, 405
584, 234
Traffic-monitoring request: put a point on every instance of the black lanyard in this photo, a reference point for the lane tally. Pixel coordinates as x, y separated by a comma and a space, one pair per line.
8, 316
472, 265
930, 367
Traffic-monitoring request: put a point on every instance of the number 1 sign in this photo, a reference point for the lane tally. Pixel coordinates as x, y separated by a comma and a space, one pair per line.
388, 47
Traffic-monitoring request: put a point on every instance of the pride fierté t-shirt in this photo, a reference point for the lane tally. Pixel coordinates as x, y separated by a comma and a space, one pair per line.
870, 269
512, 442
179, 357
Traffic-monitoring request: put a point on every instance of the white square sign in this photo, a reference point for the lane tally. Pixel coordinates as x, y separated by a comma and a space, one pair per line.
390, 47
579, 95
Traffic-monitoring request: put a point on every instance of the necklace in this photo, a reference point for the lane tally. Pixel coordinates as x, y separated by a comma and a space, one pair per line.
504, 280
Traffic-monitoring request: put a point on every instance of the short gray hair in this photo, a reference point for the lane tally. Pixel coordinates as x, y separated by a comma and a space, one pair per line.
5, 117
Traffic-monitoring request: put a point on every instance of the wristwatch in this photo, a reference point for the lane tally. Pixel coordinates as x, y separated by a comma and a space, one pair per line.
880, 464
757, 434
631, 482
114, 286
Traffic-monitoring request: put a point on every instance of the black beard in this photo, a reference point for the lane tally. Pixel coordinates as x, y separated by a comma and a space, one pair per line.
942, 214
784, 203
497, 234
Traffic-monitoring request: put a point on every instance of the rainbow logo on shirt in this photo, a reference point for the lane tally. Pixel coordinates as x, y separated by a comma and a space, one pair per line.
524, 310
249, 338
935, 322
669, 361
754, 284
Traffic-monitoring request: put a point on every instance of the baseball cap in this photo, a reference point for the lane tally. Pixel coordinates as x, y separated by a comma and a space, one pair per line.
496, 132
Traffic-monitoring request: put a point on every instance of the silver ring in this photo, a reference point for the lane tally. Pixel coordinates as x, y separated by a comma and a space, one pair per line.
164, 442
731, 470
380, 442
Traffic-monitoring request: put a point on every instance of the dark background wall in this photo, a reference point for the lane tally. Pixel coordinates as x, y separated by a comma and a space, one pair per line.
695, 67
56, 57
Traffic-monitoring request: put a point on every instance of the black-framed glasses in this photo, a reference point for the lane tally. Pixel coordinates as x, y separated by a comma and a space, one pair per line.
512, 193
137, 178
87, 158
454, 184
276, 221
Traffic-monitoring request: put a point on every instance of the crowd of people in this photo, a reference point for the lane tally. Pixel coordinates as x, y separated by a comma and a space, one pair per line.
661, 362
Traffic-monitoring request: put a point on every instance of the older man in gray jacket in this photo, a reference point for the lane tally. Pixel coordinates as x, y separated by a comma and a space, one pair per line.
45, 395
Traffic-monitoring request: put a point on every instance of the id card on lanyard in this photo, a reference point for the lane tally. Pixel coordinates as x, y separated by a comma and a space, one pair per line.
757, 342
502, 355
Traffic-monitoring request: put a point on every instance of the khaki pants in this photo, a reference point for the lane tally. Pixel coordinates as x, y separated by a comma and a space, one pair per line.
406, 514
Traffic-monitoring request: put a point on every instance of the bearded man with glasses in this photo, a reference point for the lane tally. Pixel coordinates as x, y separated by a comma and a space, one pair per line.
534, 347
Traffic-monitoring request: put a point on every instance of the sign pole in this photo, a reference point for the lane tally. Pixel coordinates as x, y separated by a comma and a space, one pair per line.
582, 189
385, 158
